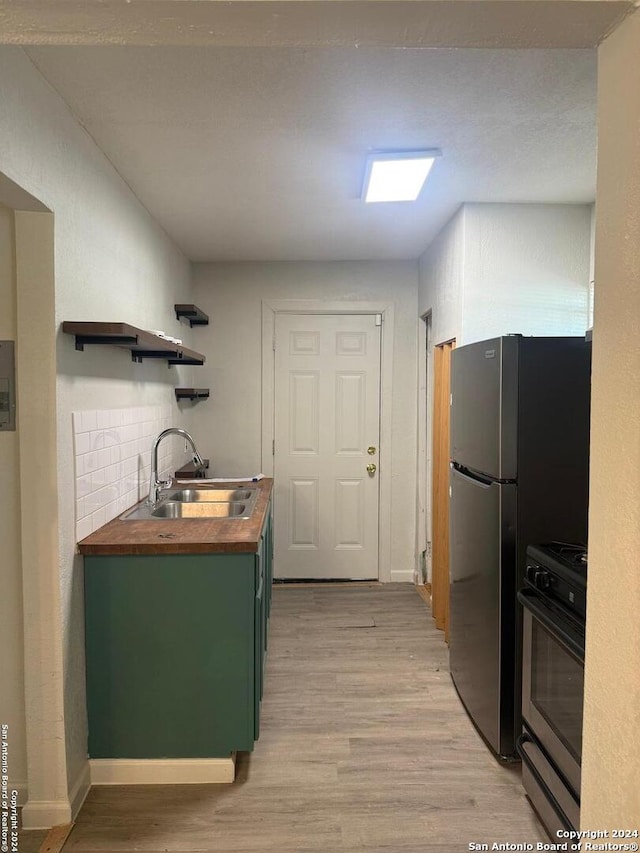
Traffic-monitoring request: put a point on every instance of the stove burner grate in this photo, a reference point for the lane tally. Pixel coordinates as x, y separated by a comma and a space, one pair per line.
574, 555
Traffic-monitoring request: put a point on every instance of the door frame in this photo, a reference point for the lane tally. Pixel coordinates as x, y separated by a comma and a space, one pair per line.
440, 570
425, 450
49, 800
270, 308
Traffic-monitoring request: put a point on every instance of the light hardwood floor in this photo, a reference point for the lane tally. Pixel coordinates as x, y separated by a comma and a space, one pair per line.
364, 747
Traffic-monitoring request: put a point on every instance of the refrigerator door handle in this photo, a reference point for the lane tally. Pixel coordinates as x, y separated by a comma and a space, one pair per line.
476, 479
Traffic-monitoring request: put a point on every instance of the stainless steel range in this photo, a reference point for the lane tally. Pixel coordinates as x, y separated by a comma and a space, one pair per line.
554, 602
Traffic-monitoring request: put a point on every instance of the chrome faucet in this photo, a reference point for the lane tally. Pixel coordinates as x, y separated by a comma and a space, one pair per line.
155, 485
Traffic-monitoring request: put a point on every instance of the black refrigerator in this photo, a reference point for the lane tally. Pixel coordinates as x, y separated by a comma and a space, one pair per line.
519, 476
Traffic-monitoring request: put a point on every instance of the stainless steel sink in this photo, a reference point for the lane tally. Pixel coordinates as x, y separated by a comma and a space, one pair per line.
207, 495
177, 509
197, 503
210, 509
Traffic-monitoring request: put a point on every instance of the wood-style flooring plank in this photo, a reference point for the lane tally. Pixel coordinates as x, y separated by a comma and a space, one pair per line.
364, 747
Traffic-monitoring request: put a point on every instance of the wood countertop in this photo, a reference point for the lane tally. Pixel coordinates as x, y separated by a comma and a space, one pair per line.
183, 535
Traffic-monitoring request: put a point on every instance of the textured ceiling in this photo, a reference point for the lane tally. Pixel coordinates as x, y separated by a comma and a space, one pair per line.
400, 23
258, 152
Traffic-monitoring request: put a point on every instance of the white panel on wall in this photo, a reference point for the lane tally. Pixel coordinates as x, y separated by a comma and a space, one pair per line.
350, 408
113, 460
304, 533
304, 389
349, 518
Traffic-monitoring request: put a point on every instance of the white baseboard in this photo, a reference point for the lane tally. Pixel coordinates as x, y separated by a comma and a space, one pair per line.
43, 814
21, 788
162, 771
80, 789
402, 576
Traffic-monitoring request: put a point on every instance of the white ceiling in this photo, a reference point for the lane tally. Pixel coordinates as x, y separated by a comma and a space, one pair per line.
257, 153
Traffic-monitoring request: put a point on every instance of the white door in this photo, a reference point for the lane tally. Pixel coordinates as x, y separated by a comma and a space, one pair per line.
327, 427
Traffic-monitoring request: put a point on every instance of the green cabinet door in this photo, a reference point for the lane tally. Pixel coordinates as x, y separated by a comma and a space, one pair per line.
170, 655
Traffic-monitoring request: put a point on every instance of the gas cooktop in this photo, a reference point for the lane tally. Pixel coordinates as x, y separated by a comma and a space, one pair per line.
559, 571
572, 556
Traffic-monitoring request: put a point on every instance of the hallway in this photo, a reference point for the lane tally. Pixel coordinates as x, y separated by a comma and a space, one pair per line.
364, 747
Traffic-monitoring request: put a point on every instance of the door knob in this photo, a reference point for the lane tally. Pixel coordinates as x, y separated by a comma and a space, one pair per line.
371, 450
371, 468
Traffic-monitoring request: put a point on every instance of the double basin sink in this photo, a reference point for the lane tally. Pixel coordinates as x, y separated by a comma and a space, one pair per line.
208, 502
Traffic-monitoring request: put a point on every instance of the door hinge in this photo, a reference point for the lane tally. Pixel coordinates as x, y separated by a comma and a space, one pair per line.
273, 343
378, 319
273, 447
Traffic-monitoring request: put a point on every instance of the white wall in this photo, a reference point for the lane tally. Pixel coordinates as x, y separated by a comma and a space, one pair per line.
610, 796
526, 270
442, 278
112, 263
497, 269
229, 424
12, 710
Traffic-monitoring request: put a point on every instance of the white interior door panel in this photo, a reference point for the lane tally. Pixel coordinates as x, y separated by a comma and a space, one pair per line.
327, 416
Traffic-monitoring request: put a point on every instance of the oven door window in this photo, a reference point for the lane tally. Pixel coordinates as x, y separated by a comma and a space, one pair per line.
557, 687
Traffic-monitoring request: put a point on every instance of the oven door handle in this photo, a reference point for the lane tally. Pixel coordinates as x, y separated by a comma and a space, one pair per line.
529, 600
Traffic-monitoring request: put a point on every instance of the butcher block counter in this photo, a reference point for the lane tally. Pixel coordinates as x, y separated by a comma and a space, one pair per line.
184, 535
176, 613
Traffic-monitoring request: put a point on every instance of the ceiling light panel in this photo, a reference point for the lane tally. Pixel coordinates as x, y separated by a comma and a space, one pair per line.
397, 176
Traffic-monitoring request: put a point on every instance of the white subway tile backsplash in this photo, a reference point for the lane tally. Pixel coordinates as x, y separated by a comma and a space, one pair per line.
112, 510
103, 419
82, 443
98, 479
90, 461
81, 510
83, 527
112, 456
83, 485
88, 421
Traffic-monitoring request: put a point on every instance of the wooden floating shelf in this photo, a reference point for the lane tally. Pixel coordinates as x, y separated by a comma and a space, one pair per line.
192, 470
141, 343
192, 393
193, 314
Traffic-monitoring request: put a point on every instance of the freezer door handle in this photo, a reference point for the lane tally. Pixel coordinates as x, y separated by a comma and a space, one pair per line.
476, 479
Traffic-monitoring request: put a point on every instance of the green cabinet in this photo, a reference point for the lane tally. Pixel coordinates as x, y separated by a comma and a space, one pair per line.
175, 649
